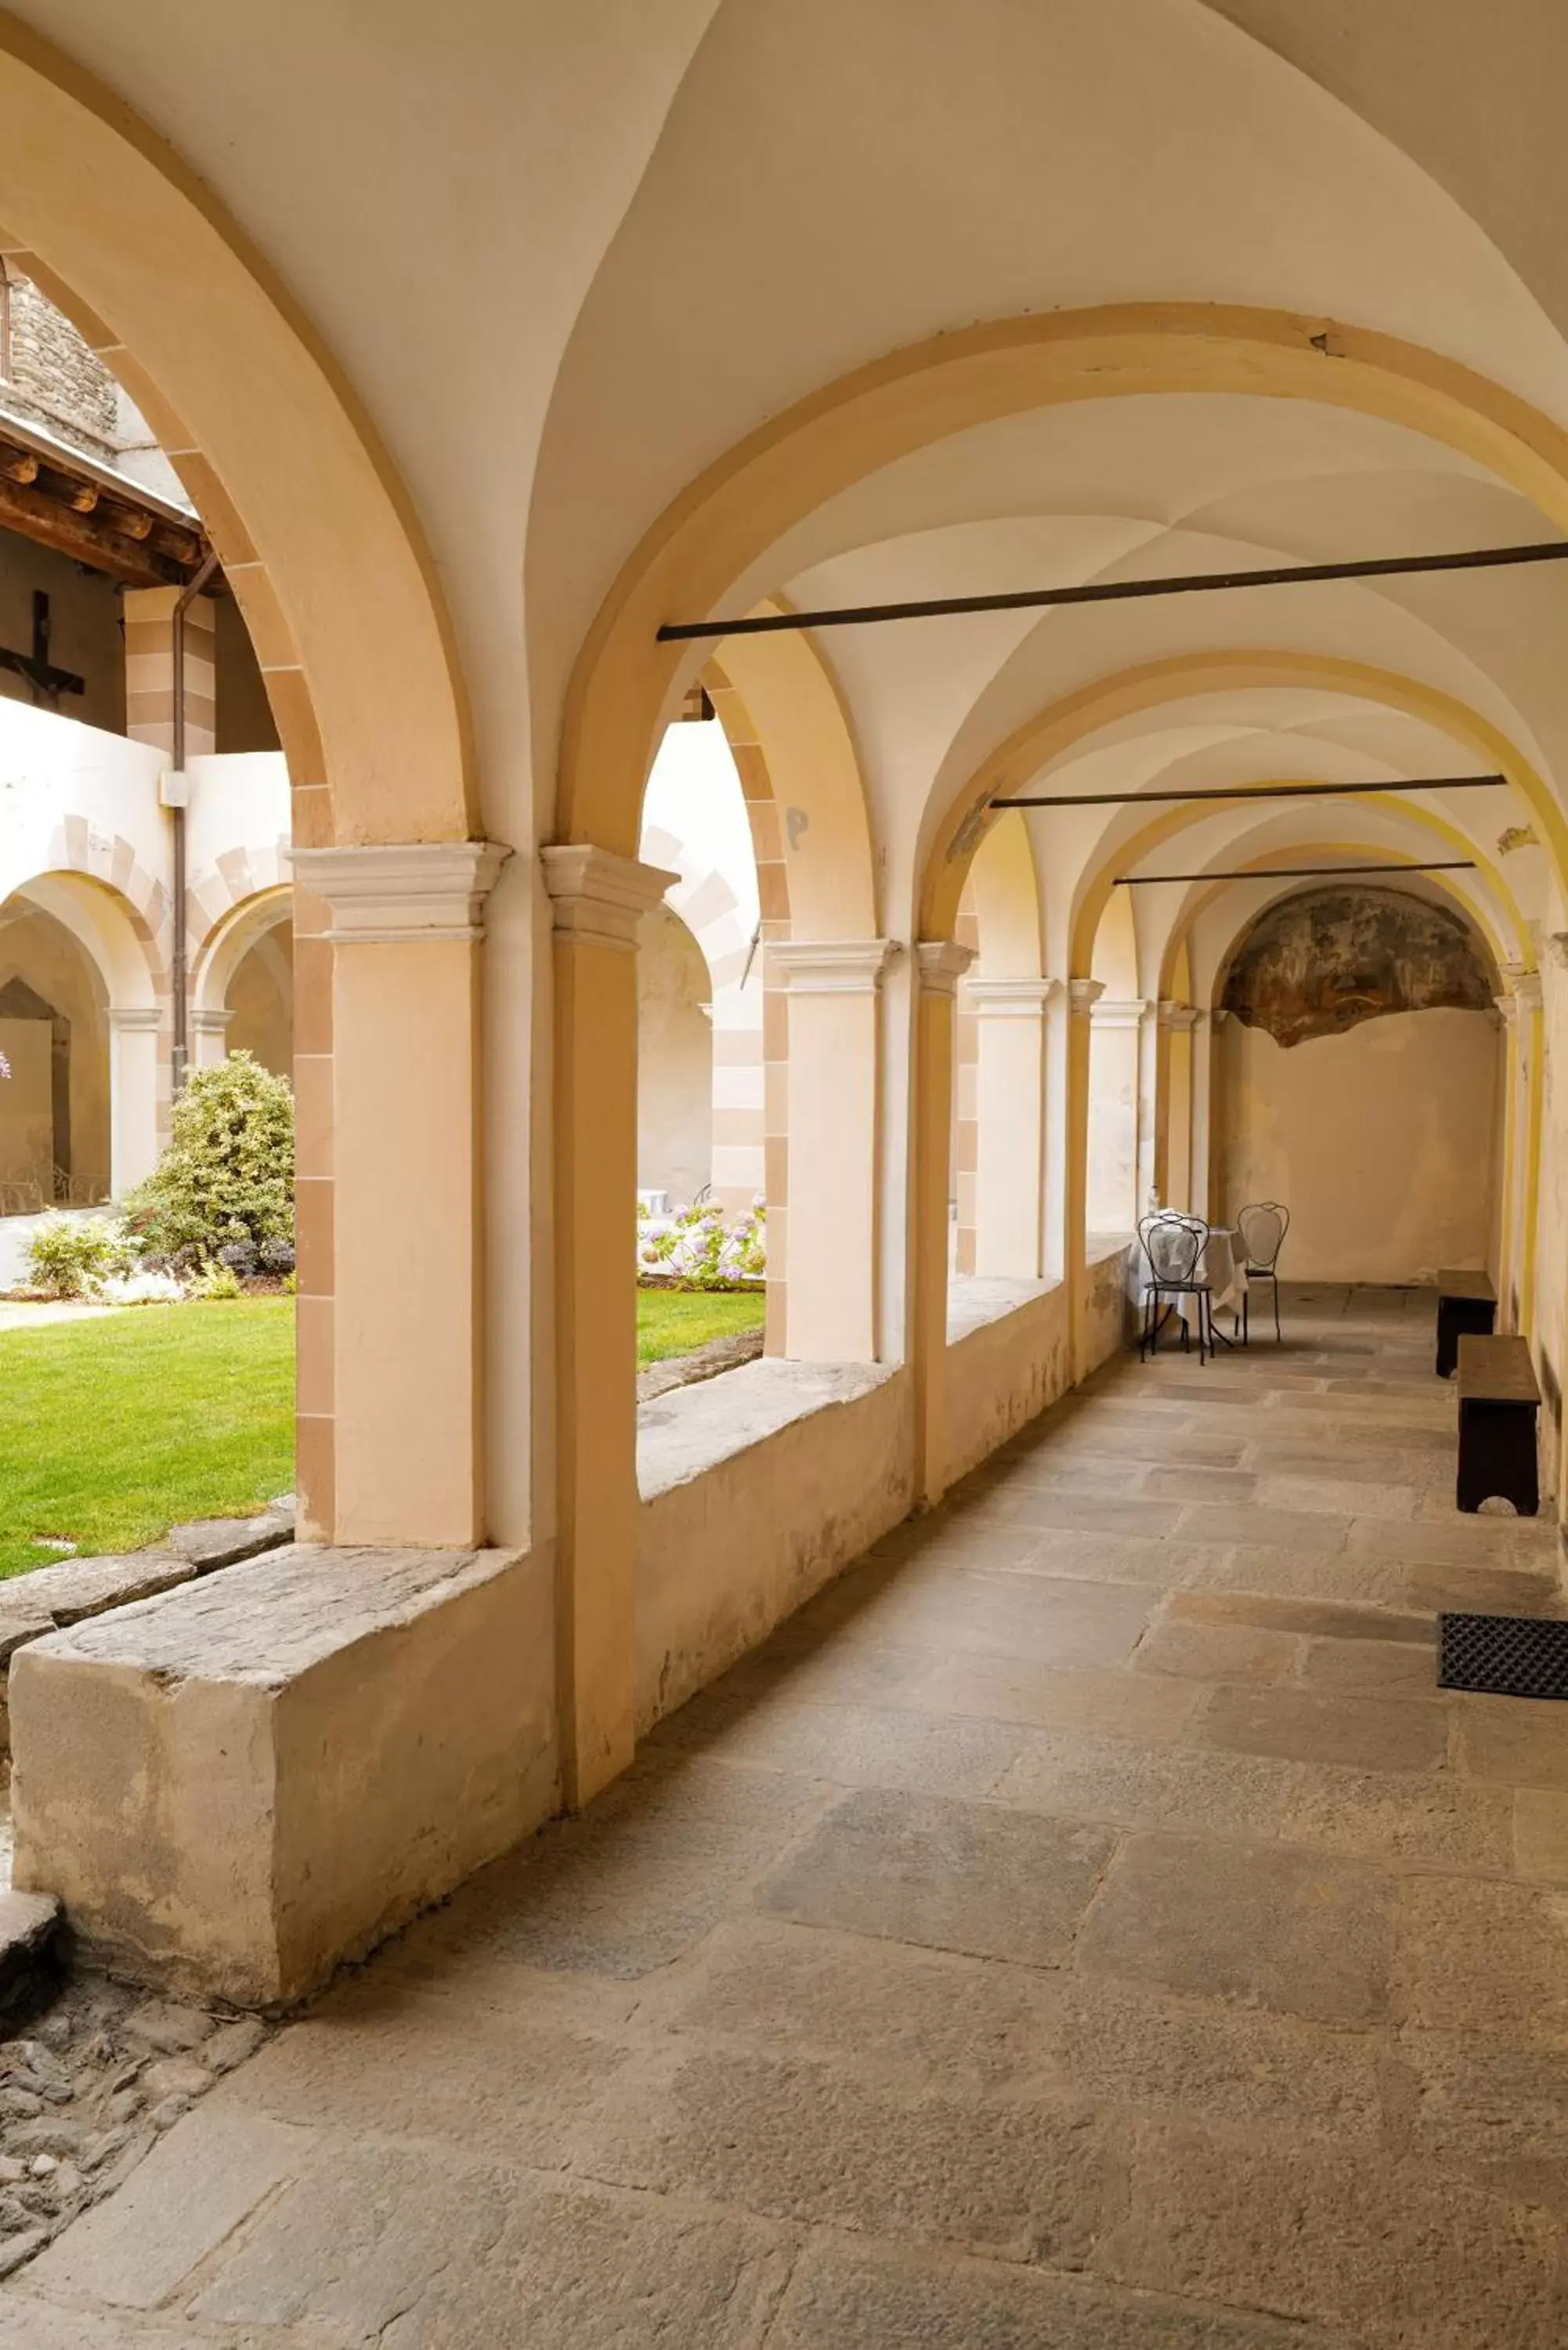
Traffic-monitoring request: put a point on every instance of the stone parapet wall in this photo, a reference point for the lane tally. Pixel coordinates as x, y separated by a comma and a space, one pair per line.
54, 1597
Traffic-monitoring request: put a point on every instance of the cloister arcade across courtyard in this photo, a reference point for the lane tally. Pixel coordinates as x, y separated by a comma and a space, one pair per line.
630, 835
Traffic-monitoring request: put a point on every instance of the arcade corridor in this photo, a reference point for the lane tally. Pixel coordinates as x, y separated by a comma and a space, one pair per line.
1086, 1924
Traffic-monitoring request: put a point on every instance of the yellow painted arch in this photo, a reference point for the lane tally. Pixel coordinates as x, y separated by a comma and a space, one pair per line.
1007, 903
1394, 858
1181, 677
1099, 884
316, 531
802, 730
724, 521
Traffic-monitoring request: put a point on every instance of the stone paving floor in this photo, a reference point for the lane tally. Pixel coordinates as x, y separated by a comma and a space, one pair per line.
1086, 1928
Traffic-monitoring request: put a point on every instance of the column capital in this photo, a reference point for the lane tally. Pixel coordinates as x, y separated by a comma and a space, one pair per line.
395, 891
831, 966
1526, 989
1506, 1008
210, 1019
1008, 999
1083, 995
1556, 944
1119, 1011
1178, 1016
135, 1019
599, 899
941, 964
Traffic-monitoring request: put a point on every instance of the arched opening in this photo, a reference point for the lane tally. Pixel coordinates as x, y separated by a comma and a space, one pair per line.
244, 985
1115, 1021
1358, 1082
342, 610
674, 1066
54, 1097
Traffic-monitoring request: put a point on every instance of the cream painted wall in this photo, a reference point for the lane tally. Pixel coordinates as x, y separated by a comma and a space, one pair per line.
675, 1061
1380, 1141
261, 997
27, 1111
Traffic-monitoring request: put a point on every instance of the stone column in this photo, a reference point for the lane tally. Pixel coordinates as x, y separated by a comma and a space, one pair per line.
940, 965
132, 1096
150, 670
209, 1036
1528, 1032
833, 988
388, 1352
1010, 1015
1083, 995
599, 899
1507, 1187
1208, 1114
1116, 1079
1173, 1106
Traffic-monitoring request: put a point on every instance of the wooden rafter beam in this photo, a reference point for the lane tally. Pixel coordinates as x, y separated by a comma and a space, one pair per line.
143, 554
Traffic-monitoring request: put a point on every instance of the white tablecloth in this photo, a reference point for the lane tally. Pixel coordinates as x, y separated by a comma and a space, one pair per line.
1224, 1264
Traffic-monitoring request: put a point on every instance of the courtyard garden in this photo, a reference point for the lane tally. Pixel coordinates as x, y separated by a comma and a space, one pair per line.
116, 1426
174, 1399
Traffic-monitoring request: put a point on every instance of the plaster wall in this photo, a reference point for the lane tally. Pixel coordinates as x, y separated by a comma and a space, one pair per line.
1104, 1306
261, 998
674, 1060
814, 1461
1112, 1201
1380, 1141
1005, 1369
84, 628
1548, 1315
26, 1102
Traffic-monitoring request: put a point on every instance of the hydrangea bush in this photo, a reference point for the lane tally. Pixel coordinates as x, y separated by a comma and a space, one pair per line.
701, 1250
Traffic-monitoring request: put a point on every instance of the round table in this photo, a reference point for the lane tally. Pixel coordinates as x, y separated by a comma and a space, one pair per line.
1222, 1264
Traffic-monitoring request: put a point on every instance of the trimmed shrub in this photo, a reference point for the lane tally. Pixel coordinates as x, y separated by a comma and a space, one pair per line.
275, 1256
217, 1281
69, 1255
226, 1181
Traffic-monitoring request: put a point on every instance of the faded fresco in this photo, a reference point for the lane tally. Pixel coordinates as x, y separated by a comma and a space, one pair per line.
1319, 963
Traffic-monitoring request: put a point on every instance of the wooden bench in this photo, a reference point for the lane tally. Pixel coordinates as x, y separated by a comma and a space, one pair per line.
1499, 1398
1466, 1302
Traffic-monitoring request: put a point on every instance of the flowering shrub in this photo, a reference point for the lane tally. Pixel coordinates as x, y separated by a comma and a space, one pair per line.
226, 1181
700, 1250
69, 1256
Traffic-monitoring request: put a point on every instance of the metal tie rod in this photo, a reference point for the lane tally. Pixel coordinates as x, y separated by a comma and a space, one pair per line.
1256, 792
1114, 591
1291, 873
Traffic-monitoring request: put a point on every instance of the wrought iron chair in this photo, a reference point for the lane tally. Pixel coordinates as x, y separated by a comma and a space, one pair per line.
1173, 1248
1262, 1227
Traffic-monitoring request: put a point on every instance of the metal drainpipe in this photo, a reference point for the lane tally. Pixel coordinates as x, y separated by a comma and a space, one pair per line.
180, 1055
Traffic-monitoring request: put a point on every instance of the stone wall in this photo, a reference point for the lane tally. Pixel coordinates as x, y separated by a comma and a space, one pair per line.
49, 374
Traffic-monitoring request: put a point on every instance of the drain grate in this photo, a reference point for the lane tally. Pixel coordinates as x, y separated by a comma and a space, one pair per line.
1505, 1656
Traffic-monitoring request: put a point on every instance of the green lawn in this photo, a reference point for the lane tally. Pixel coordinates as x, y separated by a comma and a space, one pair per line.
679, 1321
113, 1431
